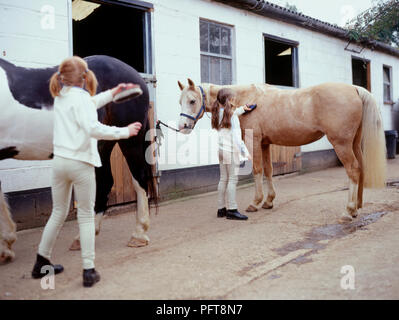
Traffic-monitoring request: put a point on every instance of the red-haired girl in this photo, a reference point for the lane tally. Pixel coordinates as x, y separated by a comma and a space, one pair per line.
76, 131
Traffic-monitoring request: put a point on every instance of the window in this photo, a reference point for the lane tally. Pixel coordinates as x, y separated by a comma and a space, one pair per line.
281, 61
99, 27
216, 53
387, 84
361, 73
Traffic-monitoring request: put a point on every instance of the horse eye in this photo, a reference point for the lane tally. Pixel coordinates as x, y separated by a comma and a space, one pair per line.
192, 101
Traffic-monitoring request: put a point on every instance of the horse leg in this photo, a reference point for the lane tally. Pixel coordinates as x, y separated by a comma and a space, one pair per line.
8, 230
135, 161
258, 175
268, 169
346, 154
104, 183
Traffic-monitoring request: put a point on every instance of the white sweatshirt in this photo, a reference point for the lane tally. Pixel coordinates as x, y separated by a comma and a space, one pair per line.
230, 139
76, 125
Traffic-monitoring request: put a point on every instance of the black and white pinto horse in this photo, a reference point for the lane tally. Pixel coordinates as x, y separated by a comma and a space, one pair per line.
26, 133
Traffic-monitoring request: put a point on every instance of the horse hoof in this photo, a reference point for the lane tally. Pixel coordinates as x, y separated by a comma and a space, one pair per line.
345, 220
75, 246
6, 256
267, 206
137, 243
251, 208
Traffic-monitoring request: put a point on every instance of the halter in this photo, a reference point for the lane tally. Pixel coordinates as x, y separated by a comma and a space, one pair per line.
200, 112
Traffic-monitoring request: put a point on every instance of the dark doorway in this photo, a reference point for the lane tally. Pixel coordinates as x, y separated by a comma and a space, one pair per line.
280, 63
114, 30
361, 73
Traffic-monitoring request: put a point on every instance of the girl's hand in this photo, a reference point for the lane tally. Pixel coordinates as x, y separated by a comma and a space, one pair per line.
123, 86
134, 128
246, 108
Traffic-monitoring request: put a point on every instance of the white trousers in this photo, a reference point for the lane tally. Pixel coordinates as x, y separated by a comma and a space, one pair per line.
66, 174
229, 165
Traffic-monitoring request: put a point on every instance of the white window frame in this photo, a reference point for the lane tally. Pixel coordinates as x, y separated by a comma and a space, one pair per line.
221, 56
389, 68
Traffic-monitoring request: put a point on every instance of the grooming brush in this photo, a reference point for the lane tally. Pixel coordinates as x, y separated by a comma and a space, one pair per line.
126, 93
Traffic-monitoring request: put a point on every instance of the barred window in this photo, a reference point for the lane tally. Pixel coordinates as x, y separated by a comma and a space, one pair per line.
216, 53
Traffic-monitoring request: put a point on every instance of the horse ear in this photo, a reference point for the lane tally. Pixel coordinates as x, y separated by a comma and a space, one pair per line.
181, 86
191, 83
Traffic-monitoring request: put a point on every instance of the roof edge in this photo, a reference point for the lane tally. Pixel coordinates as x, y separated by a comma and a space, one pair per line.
276, 12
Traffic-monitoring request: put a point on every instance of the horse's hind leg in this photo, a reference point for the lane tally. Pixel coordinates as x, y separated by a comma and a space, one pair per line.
136, 161
268, 169
104, 183
346, 154
8, 229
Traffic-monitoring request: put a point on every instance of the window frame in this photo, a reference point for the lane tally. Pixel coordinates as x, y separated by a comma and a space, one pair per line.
295, 61
218, 55
368, 70
389, 68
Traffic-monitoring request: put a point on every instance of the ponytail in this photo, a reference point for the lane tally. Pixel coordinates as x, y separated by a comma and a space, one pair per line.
55, 85
227, 113
215, 115
91, 82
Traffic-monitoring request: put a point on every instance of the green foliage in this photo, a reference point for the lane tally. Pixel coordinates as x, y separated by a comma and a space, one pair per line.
380, 22
291, 7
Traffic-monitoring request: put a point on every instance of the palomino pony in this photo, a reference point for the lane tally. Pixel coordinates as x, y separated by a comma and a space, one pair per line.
348, 115
26, 133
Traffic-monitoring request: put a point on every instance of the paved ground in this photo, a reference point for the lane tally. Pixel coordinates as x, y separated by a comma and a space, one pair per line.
294, 251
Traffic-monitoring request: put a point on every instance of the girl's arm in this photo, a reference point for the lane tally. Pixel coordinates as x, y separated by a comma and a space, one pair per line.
86, 116
103, 98
241, 110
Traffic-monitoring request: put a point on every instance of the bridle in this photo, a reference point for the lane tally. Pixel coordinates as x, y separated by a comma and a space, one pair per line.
200, 112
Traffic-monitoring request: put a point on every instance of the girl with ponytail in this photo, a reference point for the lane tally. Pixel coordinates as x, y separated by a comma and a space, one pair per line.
76, 131
231, 147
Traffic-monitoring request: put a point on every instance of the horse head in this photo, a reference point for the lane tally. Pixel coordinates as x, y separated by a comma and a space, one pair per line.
192, 102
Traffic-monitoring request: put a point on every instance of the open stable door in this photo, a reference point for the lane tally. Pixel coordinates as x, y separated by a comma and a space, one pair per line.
93, 23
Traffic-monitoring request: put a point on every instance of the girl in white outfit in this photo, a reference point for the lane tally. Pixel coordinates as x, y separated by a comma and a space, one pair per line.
76, 131
231, 149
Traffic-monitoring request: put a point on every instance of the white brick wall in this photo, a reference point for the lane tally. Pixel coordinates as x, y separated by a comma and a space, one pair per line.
24, 42
321, 58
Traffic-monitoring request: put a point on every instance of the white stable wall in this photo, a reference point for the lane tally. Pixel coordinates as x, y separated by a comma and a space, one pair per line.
177, 56
31, 37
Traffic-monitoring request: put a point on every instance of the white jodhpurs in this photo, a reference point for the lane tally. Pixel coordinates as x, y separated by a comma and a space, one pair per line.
66, 174
229, 166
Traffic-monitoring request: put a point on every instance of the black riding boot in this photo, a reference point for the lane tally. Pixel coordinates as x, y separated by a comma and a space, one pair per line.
222, 213
90, 277
41, 262
235, 215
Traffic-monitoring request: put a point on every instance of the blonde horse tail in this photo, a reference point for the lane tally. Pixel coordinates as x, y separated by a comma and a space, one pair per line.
373, 142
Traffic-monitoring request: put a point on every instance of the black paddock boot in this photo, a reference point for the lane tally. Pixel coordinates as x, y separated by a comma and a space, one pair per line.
90, 277
235, 215
41, 262
222, 213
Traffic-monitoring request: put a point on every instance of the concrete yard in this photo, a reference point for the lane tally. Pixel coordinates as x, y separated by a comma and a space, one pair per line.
296, 250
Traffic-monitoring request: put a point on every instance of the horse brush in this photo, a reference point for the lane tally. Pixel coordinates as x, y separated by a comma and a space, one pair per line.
127, 93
